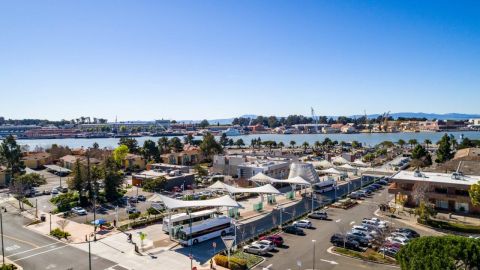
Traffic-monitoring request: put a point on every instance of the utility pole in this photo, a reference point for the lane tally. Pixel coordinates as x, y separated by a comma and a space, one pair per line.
50, 219
89, 253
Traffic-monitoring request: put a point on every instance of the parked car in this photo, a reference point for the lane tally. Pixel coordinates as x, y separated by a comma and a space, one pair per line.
141, 198
355, 195
79, 211
256, 249
411, 232
382, 182
293, 230
350, 244
377, 186
46, 192
361, 234
363, 242
269, 244
390, 252
400, 240
131, 210
54, 191
364, 229
303, 223
276, 239
318, 215
373, 223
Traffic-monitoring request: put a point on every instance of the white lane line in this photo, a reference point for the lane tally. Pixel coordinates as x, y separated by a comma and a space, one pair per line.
330, 262
338, 220
25, 251
353, 222
40, 253
268, 267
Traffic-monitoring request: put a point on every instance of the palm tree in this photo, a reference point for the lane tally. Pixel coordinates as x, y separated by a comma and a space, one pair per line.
401, 143
412, 142
305, 146
317, 144
427, 142
281, 145
292, 144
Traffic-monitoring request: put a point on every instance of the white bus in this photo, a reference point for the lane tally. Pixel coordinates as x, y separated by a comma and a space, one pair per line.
208, 229
324, 186
184, 218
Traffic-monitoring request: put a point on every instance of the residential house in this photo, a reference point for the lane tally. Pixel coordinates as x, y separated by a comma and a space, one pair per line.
135, 162
36, 160
190, 155
69, 161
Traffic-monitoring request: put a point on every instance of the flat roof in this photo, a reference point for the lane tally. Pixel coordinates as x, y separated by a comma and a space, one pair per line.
433, 177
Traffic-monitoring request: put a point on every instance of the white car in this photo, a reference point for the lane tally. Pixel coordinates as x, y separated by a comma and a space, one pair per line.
304, 223
269, 244
256, 249
399, 234
373, 223
367, 236
54, 191
399, 240
79, 211
364, 229
378, 221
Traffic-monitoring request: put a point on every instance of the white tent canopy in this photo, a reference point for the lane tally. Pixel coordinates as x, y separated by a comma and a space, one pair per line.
347, 167
339, 160
321, 163
266, 189
262, 178
359, 163
331, 171
224, 201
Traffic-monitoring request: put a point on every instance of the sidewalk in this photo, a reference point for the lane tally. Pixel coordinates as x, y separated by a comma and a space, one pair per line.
408, 220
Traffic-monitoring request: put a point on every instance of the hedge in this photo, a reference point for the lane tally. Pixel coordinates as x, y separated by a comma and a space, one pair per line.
451, 226
57, 233
235, 263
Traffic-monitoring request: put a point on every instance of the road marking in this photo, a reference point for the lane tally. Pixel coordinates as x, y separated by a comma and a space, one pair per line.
40, 253
338, 220
20, 240
13, 247
353, 222
268, 267
25, 251
330, 262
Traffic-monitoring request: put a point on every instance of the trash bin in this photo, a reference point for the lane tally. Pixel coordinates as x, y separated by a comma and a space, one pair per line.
43, 218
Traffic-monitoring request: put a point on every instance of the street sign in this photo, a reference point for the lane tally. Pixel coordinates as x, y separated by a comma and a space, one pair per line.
228, 241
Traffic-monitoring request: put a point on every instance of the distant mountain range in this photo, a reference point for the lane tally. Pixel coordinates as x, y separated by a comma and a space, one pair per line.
430, 116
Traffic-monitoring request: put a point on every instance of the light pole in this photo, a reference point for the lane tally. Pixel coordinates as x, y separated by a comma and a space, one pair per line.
50, 220
313, 241
94, 217
1, 229
89, 252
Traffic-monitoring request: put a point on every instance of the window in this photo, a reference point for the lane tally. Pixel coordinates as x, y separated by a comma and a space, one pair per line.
461, 207
441, 204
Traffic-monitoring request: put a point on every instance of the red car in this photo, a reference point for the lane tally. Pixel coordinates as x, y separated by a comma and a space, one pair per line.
392, 245
277, 240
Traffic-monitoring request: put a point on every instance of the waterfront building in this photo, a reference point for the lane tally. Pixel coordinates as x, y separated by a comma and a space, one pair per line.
448, 192
15, 130
51, 132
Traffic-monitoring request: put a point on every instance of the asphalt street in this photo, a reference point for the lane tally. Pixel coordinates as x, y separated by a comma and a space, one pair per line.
33, 251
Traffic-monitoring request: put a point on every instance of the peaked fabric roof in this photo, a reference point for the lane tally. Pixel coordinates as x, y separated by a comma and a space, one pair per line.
339, 160
262, 178
224, 201
331, 171
266, 189
347, 166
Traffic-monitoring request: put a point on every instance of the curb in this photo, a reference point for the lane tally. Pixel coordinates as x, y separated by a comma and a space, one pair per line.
330, 250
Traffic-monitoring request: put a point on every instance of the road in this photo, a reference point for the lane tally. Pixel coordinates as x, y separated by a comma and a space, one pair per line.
299, 250
33, 251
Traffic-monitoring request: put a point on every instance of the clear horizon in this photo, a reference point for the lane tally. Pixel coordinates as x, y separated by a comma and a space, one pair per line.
214, 59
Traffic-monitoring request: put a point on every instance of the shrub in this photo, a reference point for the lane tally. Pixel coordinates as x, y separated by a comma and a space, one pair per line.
134, 215
8, 267
235, 263
59, 234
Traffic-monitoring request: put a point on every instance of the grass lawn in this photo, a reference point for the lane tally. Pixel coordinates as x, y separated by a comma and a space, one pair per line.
250, 258
370, 255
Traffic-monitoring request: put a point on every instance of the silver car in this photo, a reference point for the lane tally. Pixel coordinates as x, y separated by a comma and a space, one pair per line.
256, 249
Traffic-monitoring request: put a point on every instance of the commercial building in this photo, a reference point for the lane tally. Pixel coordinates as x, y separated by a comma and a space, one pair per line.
274, 168
448, 192
174, 178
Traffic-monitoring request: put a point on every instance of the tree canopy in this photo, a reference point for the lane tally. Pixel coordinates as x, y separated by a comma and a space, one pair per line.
11, 154
210, 146
444, 252
444, 151
474, 193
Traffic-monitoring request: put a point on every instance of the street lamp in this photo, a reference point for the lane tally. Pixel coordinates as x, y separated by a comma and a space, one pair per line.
1, 230
88, 240
314, 241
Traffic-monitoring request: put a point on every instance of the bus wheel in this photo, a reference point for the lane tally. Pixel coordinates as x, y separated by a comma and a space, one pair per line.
224, 233
195, 241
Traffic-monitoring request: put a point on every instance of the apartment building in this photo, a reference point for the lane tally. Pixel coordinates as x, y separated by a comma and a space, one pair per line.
448, 192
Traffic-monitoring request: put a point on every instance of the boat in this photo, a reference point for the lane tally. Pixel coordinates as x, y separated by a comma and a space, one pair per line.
232, 132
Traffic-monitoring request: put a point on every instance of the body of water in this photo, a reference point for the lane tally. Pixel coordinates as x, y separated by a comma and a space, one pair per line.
364, 138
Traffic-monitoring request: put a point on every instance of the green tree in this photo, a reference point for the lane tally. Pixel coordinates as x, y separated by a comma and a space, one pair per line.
387, 144
440, 252
356, 144
78, 180
188, 139
176, 144
210, 146
120, 153
11, 154
113, 179
444, 151
401, 143
427, 142
317, 145
155, 184
163, 145
292, 144
123, 129
239, 143
421, 154
474, 192
305, 145
425, 211
272, 122
201, 171
204, 123
223, 140
412, 142
281, 145
150, 151
131, 143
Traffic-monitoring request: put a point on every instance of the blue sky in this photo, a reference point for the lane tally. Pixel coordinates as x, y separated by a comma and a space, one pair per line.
215, 59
